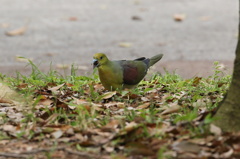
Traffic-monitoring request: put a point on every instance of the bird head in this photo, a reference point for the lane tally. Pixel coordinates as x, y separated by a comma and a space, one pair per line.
99, 59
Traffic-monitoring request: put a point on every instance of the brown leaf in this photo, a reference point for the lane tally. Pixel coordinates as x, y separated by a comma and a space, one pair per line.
19, 31
50, 119
69, 84
144, 106
22, 85
145, 99
45, 102
56, 88
135, 17
196, 81
63, 66
138, 148
111, 126
125, 44
114, 106
57, 134
109, 149
72, 18
5, 25
199, 141
60, 104
227, 154
98, 87
81, 102
201, 103
173, 108
84, 68
130, 126
8, 95
205, 18
50, 54
187, 155
179, 95
215, 130
185, 146
131, 96
108, 95
179, 17
167, 97
9, 128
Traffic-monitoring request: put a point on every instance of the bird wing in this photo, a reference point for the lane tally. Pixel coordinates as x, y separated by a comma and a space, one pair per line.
134, 71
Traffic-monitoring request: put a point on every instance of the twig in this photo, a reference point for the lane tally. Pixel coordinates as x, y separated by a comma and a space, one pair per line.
67, 150
83, 154
42, 150
13, 155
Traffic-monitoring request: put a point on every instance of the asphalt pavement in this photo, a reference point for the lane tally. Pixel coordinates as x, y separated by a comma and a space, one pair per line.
190, 33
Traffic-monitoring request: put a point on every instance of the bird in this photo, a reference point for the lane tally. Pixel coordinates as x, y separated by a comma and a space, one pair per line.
122, 74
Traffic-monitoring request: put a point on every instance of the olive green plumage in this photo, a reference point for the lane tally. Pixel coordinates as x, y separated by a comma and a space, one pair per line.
124, 73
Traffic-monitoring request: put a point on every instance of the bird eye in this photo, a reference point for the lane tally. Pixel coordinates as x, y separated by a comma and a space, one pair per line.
101, 57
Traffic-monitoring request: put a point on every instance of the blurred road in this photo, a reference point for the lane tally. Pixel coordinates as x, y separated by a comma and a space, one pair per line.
65, 32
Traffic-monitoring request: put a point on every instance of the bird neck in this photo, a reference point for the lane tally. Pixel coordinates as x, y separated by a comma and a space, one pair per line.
105, 65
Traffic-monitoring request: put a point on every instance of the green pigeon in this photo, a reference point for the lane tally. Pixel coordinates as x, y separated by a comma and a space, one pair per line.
118, 75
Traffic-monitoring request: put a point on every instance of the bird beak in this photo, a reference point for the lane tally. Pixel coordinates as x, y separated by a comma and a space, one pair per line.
95, 63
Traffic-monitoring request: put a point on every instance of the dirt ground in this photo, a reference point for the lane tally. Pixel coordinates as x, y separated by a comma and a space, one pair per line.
190, 34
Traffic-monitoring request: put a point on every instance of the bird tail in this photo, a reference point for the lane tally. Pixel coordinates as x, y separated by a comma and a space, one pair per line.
155, 59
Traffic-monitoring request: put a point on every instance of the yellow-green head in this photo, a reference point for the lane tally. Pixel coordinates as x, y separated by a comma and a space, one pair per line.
99, 59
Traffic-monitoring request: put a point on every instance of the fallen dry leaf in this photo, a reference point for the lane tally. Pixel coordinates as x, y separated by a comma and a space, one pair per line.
137, 18
215, 130
82, 68
108, 95
144, 106
111, 126
55, 89
9, 128
63, 66
227, 154
130, 126
5, 25
145, 99
19, 31
196, 81
50, 54
72, 18
137, 2
57, 134
205, 18
138, 148
125, 44
8, 95
173, 108
186, 146
81, 101
221, 66
179, 17
51, 119
108, 149
45, 102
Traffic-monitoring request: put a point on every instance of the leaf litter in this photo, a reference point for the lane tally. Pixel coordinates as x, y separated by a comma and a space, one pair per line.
18, 31
156, 119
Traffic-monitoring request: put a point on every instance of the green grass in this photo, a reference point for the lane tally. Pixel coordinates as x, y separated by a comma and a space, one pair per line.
81, 104
185, 92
